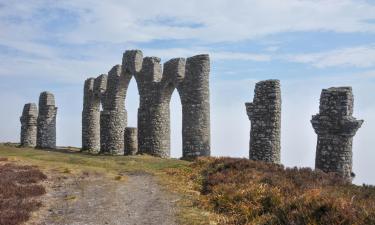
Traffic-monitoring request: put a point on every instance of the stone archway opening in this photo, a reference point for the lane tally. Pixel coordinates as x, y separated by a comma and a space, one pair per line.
176, 125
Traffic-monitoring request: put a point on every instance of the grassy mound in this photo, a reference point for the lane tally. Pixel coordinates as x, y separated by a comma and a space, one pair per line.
240, 191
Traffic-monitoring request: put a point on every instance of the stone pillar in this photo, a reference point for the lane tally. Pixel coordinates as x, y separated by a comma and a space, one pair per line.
94, 90
335, 127
265, 116
131, 141
195, 99
113, 118
153, 112
46, 132
29, 125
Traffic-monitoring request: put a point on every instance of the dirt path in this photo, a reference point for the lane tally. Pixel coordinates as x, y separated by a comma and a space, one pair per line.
96, 199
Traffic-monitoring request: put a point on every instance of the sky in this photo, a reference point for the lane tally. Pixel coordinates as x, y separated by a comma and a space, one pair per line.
49, 45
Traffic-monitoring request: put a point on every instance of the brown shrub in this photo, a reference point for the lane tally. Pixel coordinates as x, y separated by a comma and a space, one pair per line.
18, 184
242, 191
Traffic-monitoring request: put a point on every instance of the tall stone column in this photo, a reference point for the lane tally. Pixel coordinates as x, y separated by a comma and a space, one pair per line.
153, 111
93, 90
113, 118
29, 125
265, 116
131, 141
195, 100
335, 127
46, 132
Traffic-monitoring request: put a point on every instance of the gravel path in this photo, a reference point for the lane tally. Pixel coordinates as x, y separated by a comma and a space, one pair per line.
136, 200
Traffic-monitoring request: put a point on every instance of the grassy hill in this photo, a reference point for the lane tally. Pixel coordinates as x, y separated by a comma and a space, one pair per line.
227, 190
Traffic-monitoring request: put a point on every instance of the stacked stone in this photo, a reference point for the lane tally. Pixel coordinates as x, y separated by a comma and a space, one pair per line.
265, 116
29, 125
113, 118
94, 89
191, 78
195, 100
46, 132
155, 89
153, 112
131, 141
335, 127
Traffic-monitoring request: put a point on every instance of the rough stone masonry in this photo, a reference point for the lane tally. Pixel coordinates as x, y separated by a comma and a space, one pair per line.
155, 86
94, 90
131, 141
29, 125
335, 127
46, 132
265, 116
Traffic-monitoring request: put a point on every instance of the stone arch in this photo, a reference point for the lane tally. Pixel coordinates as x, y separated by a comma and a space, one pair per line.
113, 118
155, 87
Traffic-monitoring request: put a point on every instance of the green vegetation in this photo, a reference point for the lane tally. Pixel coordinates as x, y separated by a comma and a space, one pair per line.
228, 190
71, 161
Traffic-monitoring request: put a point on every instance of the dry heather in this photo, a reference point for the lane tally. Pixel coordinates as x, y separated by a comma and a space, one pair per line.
240, 191
18, 187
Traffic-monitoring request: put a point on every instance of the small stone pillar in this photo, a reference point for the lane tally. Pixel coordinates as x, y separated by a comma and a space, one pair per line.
335, 127
265, 116
29, 125
46, 132
131, 141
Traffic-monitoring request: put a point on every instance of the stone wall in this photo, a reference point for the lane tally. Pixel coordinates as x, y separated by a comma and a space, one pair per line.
46, 131
131, 141
335, 127
29, 125
265, 116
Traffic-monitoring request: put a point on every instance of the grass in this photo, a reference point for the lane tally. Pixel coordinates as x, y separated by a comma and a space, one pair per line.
227, 190
240, 191
18, 186
68, 161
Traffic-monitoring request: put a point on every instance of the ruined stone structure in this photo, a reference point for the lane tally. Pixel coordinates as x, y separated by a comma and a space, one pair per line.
46, 132
131, 141
155, 86
335, 127
29, 125
265, 116
93, 92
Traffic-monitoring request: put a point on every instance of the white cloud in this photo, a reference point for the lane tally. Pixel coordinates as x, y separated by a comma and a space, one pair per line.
219, 20
362, 56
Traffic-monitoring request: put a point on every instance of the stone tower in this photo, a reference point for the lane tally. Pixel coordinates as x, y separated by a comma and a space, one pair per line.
94, 90
46, 134
29, 125
335, 127
265, 116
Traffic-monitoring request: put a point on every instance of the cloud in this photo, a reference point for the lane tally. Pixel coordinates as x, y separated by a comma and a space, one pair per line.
361, 56
208, 21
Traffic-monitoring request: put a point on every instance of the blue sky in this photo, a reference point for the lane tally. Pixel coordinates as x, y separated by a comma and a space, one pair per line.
307, 44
